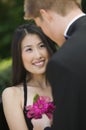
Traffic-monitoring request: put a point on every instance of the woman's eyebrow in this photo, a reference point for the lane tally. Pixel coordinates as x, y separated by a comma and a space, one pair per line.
31, 45
27, 46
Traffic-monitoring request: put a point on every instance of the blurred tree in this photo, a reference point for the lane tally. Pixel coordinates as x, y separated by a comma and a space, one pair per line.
11, 15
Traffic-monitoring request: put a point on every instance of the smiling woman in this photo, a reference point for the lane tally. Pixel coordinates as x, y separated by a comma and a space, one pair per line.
31, 50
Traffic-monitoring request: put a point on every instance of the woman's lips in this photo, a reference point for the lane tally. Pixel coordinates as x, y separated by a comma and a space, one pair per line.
39, 63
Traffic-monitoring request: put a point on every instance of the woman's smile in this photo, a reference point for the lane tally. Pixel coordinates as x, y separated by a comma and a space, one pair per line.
39, 63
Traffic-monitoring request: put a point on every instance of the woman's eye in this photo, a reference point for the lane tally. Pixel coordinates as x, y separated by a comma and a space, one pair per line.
42, 45
29, 49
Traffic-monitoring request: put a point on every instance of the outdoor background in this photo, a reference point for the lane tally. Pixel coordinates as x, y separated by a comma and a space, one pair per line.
11, 16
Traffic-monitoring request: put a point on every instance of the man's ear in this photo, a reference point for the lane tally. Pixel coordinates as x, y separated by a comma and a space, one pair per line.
45, 15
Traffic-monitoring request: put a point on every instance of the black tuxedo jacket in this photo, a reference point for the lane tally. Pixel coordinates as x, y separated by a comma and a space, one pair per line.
66, 72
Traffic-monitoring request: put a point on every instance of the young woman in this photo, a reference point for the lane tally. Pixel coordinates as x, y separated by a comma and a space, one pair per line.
28, 104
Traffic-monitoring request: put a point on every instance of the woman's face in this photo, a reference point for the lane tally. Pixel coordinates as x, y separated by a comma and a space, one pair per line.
35, 55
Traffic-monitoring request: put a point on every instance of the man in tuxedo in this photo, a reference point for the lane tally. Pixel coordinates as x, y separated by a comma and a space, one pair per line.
65, 23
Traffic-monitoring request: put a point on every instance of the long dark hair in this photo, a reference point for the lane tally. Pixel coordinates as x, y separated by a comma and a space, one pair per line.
18, 70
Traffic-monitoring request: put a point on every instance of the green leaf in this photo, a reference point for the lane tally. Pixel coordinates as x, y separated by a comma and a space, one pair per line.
35, 98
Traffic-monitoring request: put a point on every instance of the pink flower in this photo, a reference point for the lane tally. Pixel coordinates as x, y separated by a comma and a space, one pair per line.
50, 110
43, 105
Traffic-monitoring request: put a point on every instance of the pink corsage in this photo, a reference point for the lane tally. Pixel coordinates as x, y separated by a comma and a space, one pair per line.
41, 105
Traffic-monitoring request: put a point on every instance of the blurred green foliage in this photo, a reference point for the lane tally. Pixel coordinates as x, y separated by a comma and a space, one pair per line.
11, 16
5, 74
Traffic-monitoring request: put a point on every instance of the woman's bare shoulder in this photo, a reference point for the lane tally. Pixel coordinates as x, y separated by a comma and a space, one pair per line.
11, 92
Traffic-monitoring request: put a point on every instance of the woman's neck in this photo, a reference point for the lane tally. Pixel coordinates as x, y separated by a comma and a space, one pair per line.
38, 81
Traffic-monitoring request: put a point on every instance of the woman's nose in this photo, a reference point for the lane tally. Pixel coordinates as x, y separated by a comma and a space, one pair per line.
37, 53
